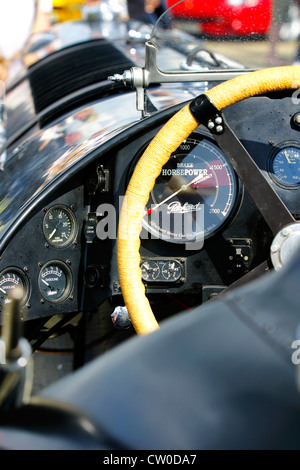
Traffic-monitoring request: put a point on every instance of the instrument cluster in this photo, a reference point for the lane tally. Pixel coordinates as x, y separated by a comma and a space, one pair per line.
44, 258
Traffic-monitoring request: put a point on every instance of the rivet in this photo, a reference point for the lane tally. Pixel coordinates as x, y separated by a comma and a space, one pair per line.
285, 232
270, 327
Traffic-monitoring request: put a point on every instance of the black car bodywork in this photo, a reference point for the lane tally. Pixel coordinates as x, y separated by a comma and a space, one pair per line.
217, 375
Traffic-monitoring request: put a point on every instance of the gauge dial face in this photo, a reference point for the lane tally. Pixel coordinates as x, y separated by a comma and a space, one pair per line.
194, 194
286, 166
59, 226
171, 270
150, 270
55, 281
10, 279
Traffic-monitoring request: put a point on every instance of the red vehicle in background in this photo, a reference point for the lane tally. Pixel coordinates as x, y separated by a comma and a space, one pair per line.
226, 17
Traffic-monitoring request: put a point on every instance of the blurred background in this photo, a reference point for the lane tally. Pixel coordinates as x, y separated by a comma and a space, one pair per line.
270, 27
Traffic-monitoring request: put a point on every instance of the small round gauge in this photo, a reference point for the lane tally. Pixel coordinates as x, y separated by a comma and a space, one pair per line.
285, 166
55, 281
59, 226
150, 270
194, 194
11, 278
171, 270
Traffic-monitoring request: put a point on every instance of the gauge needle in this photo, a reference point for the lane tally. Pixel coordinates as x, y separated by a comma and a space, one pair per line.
48, 285
183, 187
287, 156
52, 233
2, 290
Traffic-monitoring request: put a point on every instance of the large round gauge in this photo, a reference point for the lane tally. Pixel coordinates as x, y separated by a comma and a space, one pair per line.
59, 226
55, 281
10, 279
285, 165
194, 194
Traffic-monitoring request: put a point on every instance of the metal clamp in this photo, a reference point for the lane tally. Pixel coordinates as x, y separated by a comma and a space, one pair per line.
141, 78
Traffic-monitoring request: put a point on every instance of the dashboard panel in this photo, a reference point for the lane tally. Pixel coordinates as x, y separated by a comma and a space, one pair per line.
64, 253
48, 271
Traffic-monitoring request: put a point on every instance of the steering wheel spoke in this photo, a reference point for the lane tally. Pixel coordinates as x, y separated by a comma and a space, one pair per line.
272, 208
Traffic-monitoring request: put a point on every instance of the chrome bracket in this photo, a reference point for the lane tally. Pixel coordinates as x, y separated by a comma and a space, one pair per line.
141, 77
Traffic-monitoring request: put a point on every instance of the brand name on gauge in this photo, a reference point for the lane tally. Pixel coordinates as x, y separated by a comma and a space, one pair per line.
176, 207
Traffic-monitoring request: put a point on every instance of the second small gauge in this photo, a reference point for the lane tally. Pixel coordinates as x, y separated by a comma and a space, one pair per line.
55, 281
59, 226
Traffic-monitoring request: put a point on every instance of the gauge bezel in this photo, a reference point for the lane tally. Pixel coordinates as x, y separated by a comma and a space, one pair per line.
199, 135
74, 228
274, 152
69, 280
25, 281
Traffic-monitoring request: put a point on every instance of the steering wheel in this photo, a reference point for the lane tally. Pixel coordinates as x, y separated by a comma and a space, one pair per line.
168, 139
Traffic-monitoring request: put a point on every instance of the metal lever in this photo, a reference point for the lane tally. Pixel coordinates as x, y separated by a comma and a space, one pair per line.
15, 357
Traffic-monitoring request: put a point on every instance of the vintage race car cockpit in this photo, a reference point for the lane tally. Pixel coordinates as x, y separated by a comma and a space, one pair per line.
149, 216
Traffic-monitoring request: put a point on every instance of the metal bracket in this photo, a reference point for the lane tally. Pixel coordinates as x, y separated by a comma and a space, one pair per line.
272, 208
140, 78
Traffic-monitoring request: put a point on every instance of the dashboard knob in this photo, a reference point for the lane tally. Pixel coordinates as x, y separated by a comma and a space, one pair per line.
120, 318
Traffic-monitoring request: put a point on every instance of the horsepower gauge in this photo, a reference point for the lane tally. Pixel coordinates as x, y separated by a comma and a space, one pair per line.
59, 226
11, 278
194, 194
55, 281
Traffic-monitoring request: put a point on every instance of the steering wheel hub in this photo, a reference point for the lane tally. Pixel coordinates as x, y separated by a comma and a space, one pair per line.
285, 244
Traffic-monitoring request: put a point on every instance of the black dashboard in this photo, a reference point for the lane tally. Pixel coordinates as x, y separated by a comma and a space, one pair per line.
64, 251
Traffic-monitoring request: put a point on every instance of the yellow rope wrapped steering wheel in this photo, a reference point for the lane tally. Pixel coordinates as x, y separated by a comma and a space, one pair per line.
168, 139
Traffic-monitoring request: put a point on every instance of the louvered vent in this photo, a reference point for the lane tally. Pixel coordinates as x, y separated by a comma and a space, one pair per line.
73, 68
